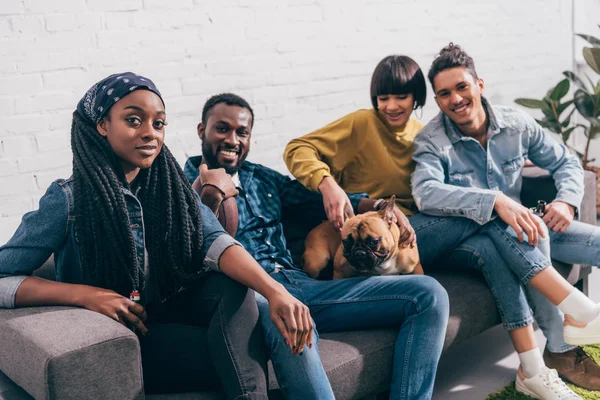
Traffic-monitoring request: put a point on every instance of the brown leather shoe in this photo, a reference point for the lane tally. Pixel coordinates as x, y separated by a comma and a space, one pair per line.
576, 367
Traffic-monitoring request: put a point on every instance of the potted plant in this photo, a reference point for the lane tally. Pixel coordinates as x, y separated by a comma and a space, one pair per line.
558, 111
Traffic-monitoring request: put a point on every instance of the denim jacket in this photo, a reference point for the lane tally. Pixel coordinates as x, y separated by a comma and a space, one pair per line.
50, 229
456, 176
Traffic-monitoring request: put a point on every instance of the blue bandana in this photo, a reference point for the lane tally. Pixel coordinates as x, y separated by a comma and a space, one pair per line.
98, 100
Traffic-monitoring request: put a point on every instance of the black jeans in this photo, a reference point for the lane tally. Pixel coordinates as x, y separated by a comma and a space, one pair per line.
206, 337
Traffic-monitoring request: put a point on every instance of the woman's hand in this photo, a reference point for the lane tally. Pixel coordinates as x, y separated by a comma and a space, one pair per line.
290, 316
407, 232
336, 202
293, 320
114, 306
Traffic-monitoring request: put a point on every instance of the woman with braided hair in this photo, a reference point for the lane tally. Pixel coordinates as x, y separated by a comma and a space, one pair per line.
132, 241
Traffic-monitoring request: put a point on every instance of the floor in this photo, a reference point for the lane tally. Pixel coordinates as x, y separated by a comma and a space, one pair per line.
471, 371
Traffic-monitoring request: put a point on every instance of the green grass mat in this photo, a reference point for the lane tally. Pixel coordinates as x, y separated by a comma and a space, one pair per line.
509, 392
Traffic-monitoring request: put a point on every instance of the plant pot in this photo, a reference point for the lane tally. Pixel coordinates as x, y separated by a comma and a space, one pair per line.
596, 170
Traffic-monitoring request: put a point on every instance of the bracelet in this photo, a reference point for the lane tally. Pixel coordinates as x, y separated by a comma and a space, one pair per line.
379, 204
212, 185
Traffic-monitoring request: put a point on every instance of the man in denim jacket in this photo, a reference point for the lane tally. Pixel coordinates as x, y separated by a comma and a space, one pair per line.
469, 163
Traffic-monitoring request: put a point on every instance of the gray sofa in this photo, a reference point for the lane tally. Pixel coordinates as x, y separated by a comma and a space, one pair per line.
70, 353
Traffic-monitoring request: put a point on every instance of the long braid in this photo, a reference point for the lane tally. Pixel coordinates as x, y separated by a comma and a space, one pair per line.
106, 243
173, 226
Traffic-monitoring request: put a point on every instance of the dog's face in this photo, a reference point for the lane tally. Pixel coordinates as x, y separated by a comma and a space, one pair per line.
369, 239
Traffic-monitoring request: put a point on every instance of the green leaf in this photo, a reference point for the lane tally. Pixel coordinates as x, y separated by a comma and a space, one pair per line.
530, 103
590, 39
547, 107
584, 102
567, 133
575, 79
592, 57
560, 90
563, 106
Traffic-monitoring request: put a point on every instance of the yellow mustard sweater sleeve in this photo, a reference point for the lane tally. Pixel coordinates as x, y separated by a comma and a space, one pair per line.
312, 157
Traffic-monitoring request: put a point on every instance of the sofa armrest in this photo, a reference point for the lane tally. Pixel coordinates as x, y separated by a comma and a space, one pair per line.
69, 353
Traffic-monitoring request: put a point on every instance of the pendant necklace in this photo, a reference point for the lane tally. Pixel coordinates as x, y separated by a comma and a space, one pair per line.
135, 294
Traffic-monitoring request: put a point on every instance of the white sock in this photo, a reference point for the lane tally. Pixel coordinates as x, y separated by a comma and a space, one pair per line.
579, 306
531, 362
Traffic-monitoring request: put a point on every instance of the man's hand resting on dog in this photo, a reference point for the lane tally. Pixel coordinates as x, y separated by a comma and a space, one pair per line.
336, 202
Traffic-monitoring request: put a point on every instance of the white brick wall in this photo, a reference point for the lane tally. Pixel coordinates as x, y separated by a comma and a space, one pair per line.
300, 63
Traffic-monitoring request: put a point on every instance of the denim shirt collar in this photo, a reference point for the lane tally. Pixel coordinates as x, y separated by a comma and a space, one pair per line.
496, 123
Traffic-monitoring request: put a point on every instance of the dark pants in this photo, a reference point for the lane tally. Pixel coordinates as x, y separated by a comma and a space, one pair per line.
206, 338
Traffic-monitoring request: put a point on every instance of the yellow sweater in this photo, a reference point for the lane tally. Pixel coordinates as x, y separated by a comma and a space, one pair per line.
362, 153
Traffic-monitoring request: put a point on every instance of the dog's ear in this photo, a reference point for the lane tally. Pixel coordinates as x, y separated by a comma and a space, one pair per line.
387, 212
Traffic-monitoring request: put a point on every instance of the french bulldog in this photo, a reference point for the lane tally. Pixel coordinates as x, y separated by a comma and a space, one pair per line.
367, 246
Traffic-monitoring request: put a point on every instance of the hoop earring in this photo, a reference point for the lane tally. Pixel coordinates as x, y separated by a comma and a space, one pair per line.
417, 110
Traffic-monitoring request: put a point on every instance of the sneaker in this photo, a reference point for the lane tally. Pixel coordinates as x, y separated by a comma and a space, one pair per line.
545, 386
579, 334
575, 366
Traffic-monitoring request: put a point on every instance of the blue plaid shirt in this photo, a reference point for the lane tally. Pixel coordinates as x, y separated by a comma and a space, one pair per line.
272, 211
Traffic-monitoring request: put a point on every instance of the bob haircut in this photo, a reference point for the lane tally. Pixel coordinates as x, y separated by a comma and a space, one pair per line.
398, 75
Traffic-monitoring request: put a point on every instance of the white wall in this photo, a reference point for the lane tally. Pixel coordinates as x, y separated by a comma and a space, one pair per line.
300, 63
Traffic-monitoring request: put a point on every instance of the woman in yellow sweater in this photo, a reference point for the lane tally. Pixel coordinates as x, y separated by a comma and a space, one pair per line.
368, 150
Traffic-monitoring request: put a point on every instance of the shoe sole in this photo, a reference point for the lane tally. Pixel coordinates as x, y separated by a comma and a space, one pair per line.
522, 389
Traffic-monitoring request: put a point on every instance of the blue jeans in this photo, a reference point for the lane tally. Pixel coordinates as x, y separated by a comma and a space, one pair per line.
580, 244
417, 305
513, 299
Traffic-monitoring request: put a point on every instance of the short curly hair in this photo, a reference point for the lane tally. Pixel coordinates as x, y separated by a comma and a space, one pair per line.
451, 56
230, 99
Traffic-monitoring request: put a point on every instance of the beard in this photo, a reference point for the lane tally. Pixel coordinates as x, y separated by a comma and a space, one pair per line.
212, 161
